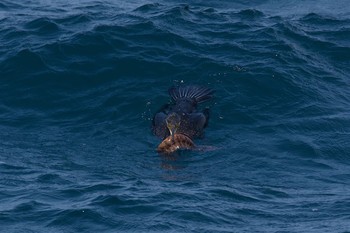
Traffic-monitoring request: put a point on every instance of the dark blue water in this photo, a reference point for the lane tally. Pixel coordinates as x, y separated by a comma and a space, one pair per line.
80, 81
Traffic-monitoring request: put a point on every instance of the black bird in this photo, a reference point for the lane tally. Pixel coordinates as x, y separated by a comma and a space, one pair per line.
181, 116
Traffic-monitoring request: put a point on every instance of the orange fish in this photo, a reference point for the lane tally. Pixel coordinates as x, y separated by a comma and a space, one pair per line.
175, 142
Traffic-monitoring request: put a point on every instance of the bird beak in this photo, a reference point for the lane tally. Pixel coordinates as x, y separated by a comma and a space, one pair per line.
172, 132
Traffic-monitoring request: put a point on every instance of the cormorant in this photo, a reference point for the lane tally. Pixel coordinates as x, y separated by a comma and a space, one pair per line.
181, 117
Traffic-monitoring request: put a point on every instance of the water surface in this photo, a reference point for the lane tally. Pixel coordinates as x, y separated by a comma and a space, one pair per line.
80, 81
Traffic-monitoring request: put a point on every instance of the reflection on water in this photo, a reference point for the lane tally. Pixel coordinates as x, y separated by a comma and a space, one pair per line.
171, 161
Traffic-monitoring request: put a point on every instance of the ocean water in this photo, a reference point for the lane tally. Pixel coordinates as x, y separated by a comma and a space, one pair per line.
81, 80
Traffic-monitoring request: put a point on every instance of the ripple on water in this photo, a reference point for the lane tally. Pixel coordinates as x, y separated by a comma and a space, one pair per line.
42, 26
81, 80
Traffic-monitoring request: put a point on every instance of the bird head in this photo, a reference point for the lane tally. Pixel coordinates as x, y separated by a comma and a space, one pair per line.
173, 121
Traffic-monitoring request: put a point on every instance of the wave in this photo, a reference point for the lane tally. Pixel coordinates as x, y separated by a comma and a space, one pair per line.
79, 86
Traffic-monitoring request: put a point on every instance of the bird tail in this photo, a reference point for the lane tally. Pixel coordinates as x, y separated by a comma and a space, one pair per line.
198, 93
